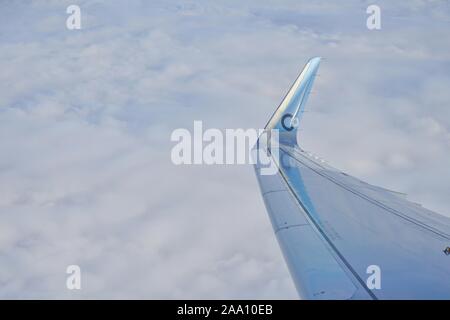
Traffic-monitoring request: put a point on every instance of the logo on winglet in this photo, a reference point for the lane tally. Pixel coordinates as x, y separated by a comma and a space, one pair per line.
288, 122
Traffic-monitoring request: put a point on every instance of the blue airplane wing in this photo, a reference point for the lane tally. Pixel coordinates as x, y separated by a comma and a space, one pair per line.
343, 238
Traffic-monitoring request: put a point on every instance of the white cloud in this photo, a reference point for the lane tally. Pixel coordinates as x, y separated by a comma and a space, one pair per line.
86, 116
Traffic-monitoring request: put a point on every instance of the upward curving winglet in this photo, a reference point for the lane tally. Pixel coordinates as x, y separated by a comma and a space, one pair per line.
288, 114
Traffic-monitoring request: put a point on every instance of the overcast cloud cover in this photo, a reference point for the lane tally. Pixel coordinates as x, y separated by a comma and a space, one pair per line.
86, 118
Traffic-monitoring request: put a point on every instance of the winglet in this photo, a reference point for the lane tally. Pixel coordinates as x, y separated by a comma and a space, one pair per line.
288, 114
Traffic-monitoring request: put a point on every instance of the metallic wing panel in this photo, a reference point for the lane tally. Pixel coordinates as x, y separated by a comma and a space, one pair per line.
333, 228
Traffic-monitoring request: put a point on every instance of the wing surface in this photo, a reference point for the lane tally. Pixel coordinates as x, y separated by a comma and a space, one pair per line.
338, 234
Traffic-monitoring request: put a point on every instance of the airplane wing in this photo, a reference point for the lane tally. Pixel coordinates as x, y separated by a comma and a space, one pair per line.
343, 238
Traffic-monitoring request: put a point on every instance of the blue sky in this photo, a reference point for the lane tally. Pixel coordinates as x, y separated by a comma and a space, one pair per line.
86, 118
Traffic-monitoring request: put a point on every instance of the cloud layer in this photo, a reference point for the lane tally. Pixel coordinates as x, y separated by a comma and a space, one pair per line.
86, 117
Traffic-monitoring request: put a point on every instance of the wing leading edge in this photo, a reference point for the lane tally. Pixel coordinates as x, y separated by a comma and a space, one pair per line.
337, 232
